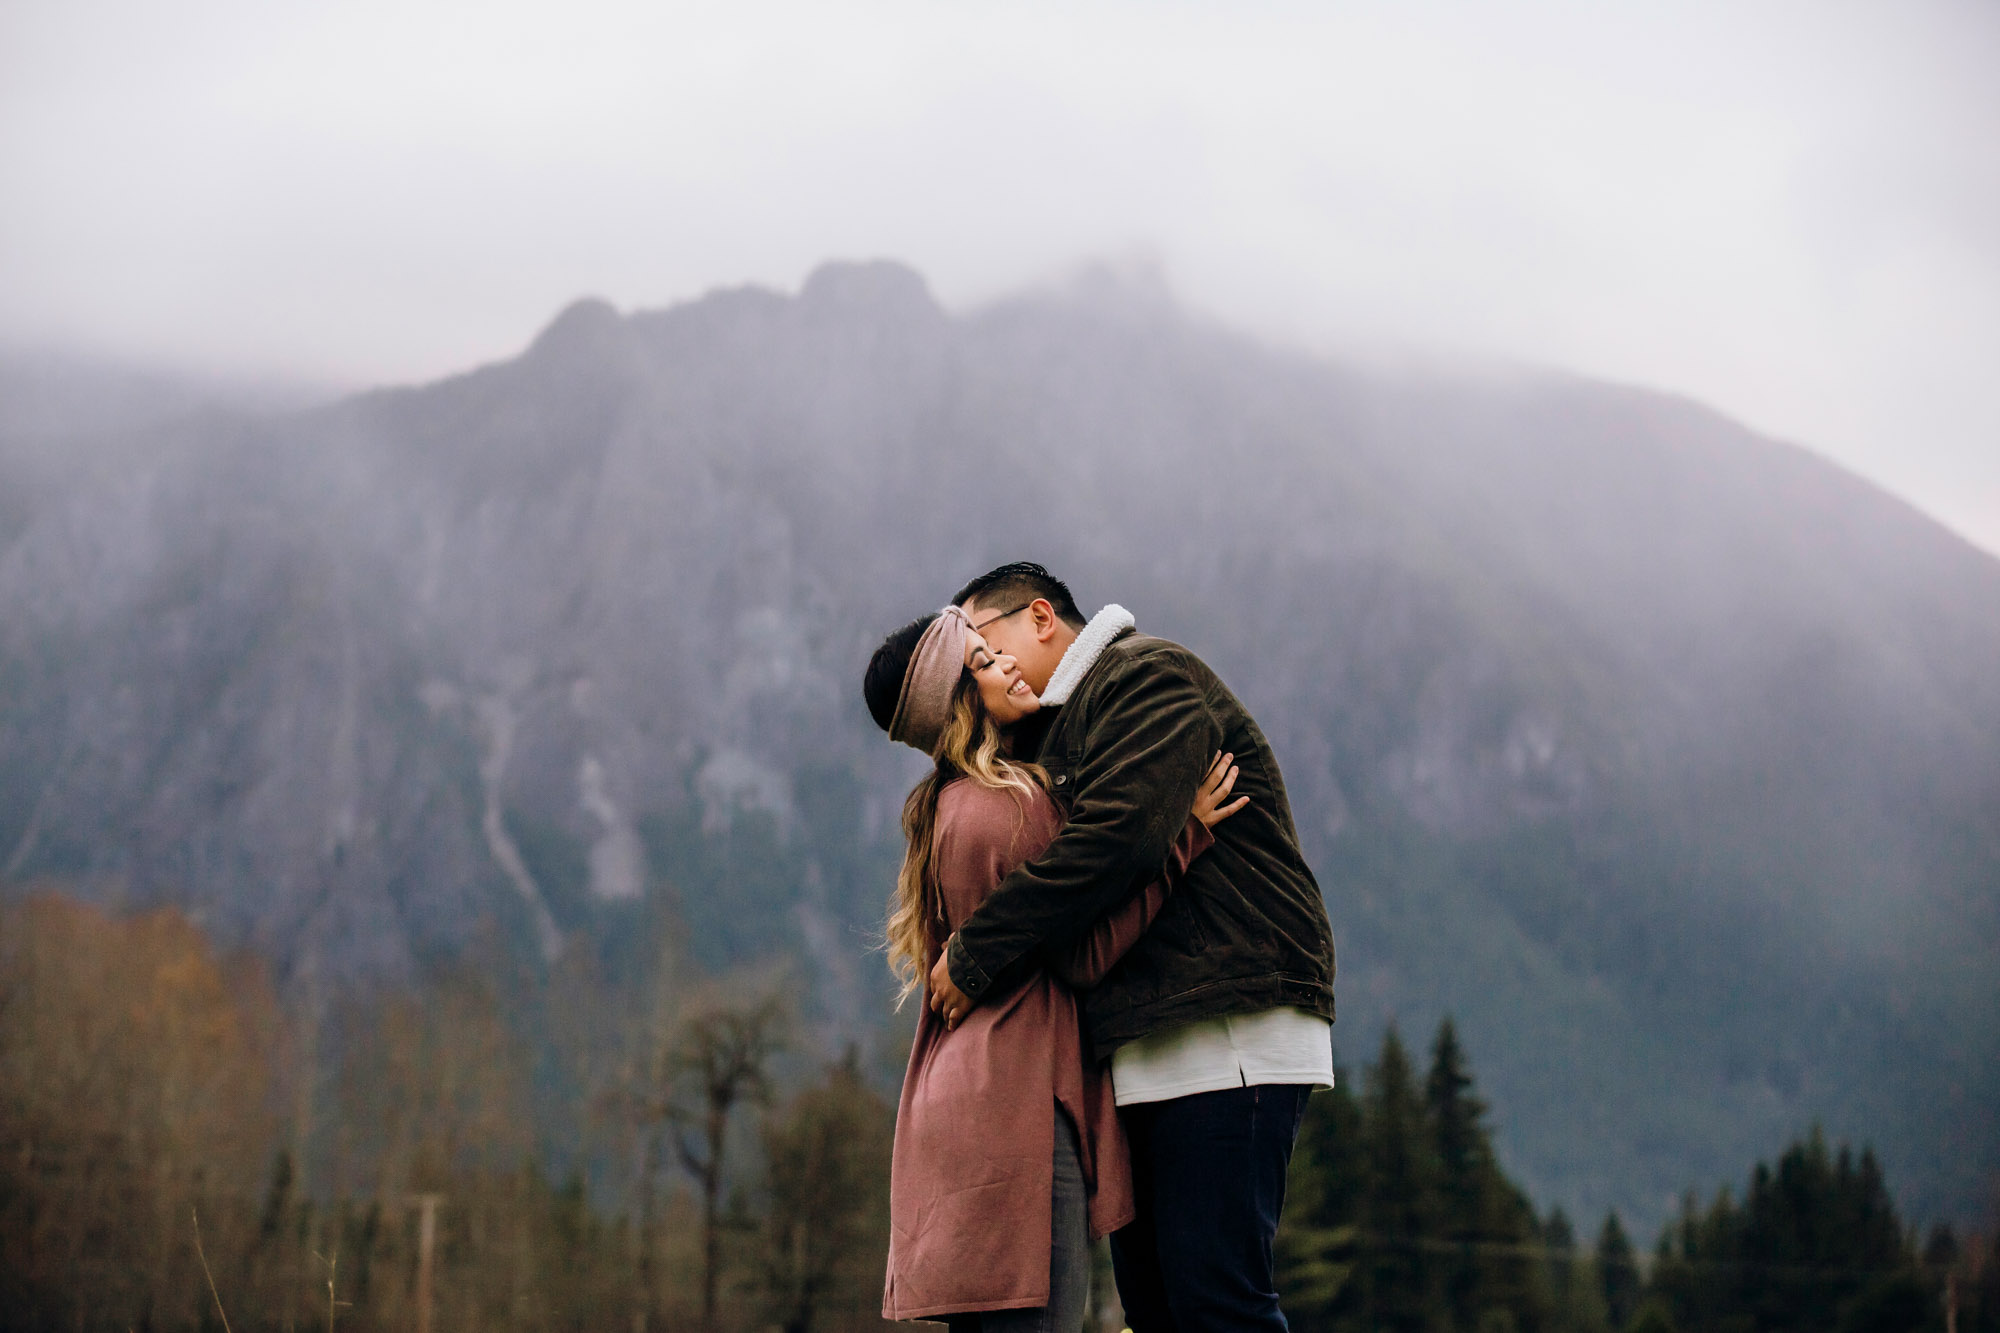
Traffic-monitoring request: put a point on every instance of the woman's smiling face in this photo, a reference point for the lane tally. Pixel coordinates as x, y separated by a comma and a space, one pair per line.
1006, 696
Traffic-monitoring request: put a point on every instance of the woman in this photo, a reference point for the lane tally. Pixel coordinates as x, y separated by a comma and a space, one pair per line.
1008, 1157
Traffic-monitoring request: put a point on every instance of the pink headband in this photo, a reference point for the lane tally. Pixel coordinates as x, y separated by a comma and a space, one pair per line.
924, 706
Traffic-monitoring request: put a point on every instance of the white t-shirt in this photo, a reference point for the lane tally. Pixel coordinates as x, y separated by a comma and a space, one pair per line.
1283, 1045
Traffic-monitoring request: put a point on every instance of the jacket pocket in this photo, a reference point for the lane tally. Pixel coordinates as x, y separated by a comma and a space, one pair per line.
1162, 961
1179, 924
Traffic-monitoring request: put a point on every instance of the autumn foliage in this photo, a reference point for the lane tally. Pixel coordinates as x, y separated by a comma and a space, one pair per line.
153, 1091
136, 1087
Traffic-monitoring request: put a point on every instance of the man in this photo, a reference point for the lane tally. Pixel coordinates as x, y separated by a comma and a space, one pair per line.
1217, 1023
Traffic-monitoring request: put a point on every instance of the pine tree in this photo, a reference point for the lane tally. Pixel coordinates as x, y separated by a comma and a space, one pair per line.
1815, 1244
1398, 1209
1559, 1248
1464, 1169
1316, 1245
1487, 1229
1818, 1233
1512, 1277
1575, 1304
1617, 1272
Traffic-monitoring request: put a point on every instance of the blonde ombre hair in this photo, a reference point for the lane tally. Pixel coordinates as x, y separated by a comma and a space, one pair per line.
970, 747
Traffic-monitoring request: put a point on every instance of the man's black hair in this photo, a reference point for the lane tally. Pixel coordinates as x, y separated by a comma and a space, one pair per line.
1022, 582
882, 683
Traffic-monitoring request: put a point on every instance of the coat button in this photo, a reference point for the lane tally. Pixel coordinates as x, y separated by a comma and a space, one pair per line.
1061, 778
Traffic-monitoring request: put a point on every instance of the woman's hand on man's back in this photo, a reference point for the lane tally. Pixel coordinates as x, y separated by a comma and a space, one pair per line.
1211, 800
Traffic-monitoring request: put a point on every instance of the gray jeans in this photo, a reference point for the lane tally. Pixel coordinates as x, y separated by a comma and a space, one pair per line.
1069, 1255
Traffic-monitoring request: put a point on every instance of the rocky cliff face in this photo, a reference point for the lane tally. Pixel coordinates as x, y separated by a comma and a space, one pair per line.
1665, 756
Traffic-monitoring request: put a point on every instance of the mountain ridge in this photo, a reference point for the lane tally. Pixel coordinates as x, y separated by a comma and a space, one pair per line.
1608, 723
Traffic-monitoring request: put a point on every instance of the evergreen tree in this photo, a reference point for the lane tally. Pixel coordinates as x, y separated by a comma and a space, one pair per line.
1815, 1244
1816, 1232
1680, 1282
1617, 1272
1316, 1244
1575, 1303
1559, 1248
1512, 1274
1464, 1169
1398, 1207
1487, 1228
1941, 1248
1398, 1215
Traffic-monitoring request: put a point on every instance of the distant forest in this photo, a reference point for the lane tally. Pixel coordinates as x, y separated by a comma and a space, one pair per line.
177, 1151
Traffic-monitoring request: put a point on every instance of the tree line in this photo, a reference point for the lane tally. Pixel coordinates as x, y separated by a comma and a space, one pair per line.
177, 1151
1400, 1218
180, 1150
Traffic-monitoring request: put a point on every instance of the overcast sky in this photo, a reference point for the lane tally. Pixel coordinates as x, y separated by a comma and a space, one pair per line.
1789, 210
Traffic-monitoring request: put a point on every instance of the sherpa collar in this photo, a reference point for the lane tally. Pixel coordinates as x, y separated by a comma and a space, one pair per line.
1076, 663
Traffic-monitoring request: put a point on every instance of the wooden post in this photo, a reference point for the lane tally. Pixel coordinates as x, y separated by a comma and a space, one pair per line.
642, 1304
426, 1244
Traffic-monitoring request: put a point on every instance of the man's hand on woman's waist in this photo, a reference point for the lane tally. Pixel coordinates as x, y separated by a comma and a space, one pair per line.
946, 1000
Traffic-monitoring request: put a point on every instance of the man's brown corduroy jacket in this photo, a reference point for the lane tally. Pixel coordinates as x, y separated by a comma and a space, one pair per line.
1247, 930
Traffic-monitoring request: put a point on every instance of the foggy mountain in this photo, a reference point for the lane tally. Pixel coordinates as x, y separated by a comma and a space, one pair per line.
1665, 757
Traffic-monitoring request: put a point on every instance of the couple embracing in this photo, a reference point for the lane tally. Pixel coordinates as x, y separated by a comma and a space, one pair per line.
1126, 967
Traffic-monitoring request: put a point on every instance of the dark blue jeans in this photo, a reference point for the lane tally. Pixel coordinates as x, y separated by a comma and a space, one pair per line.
1209, 1172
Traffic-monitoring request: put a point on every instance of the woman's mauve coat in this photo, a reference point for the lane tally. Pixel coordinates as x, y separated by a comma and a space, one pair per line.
971, 1178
